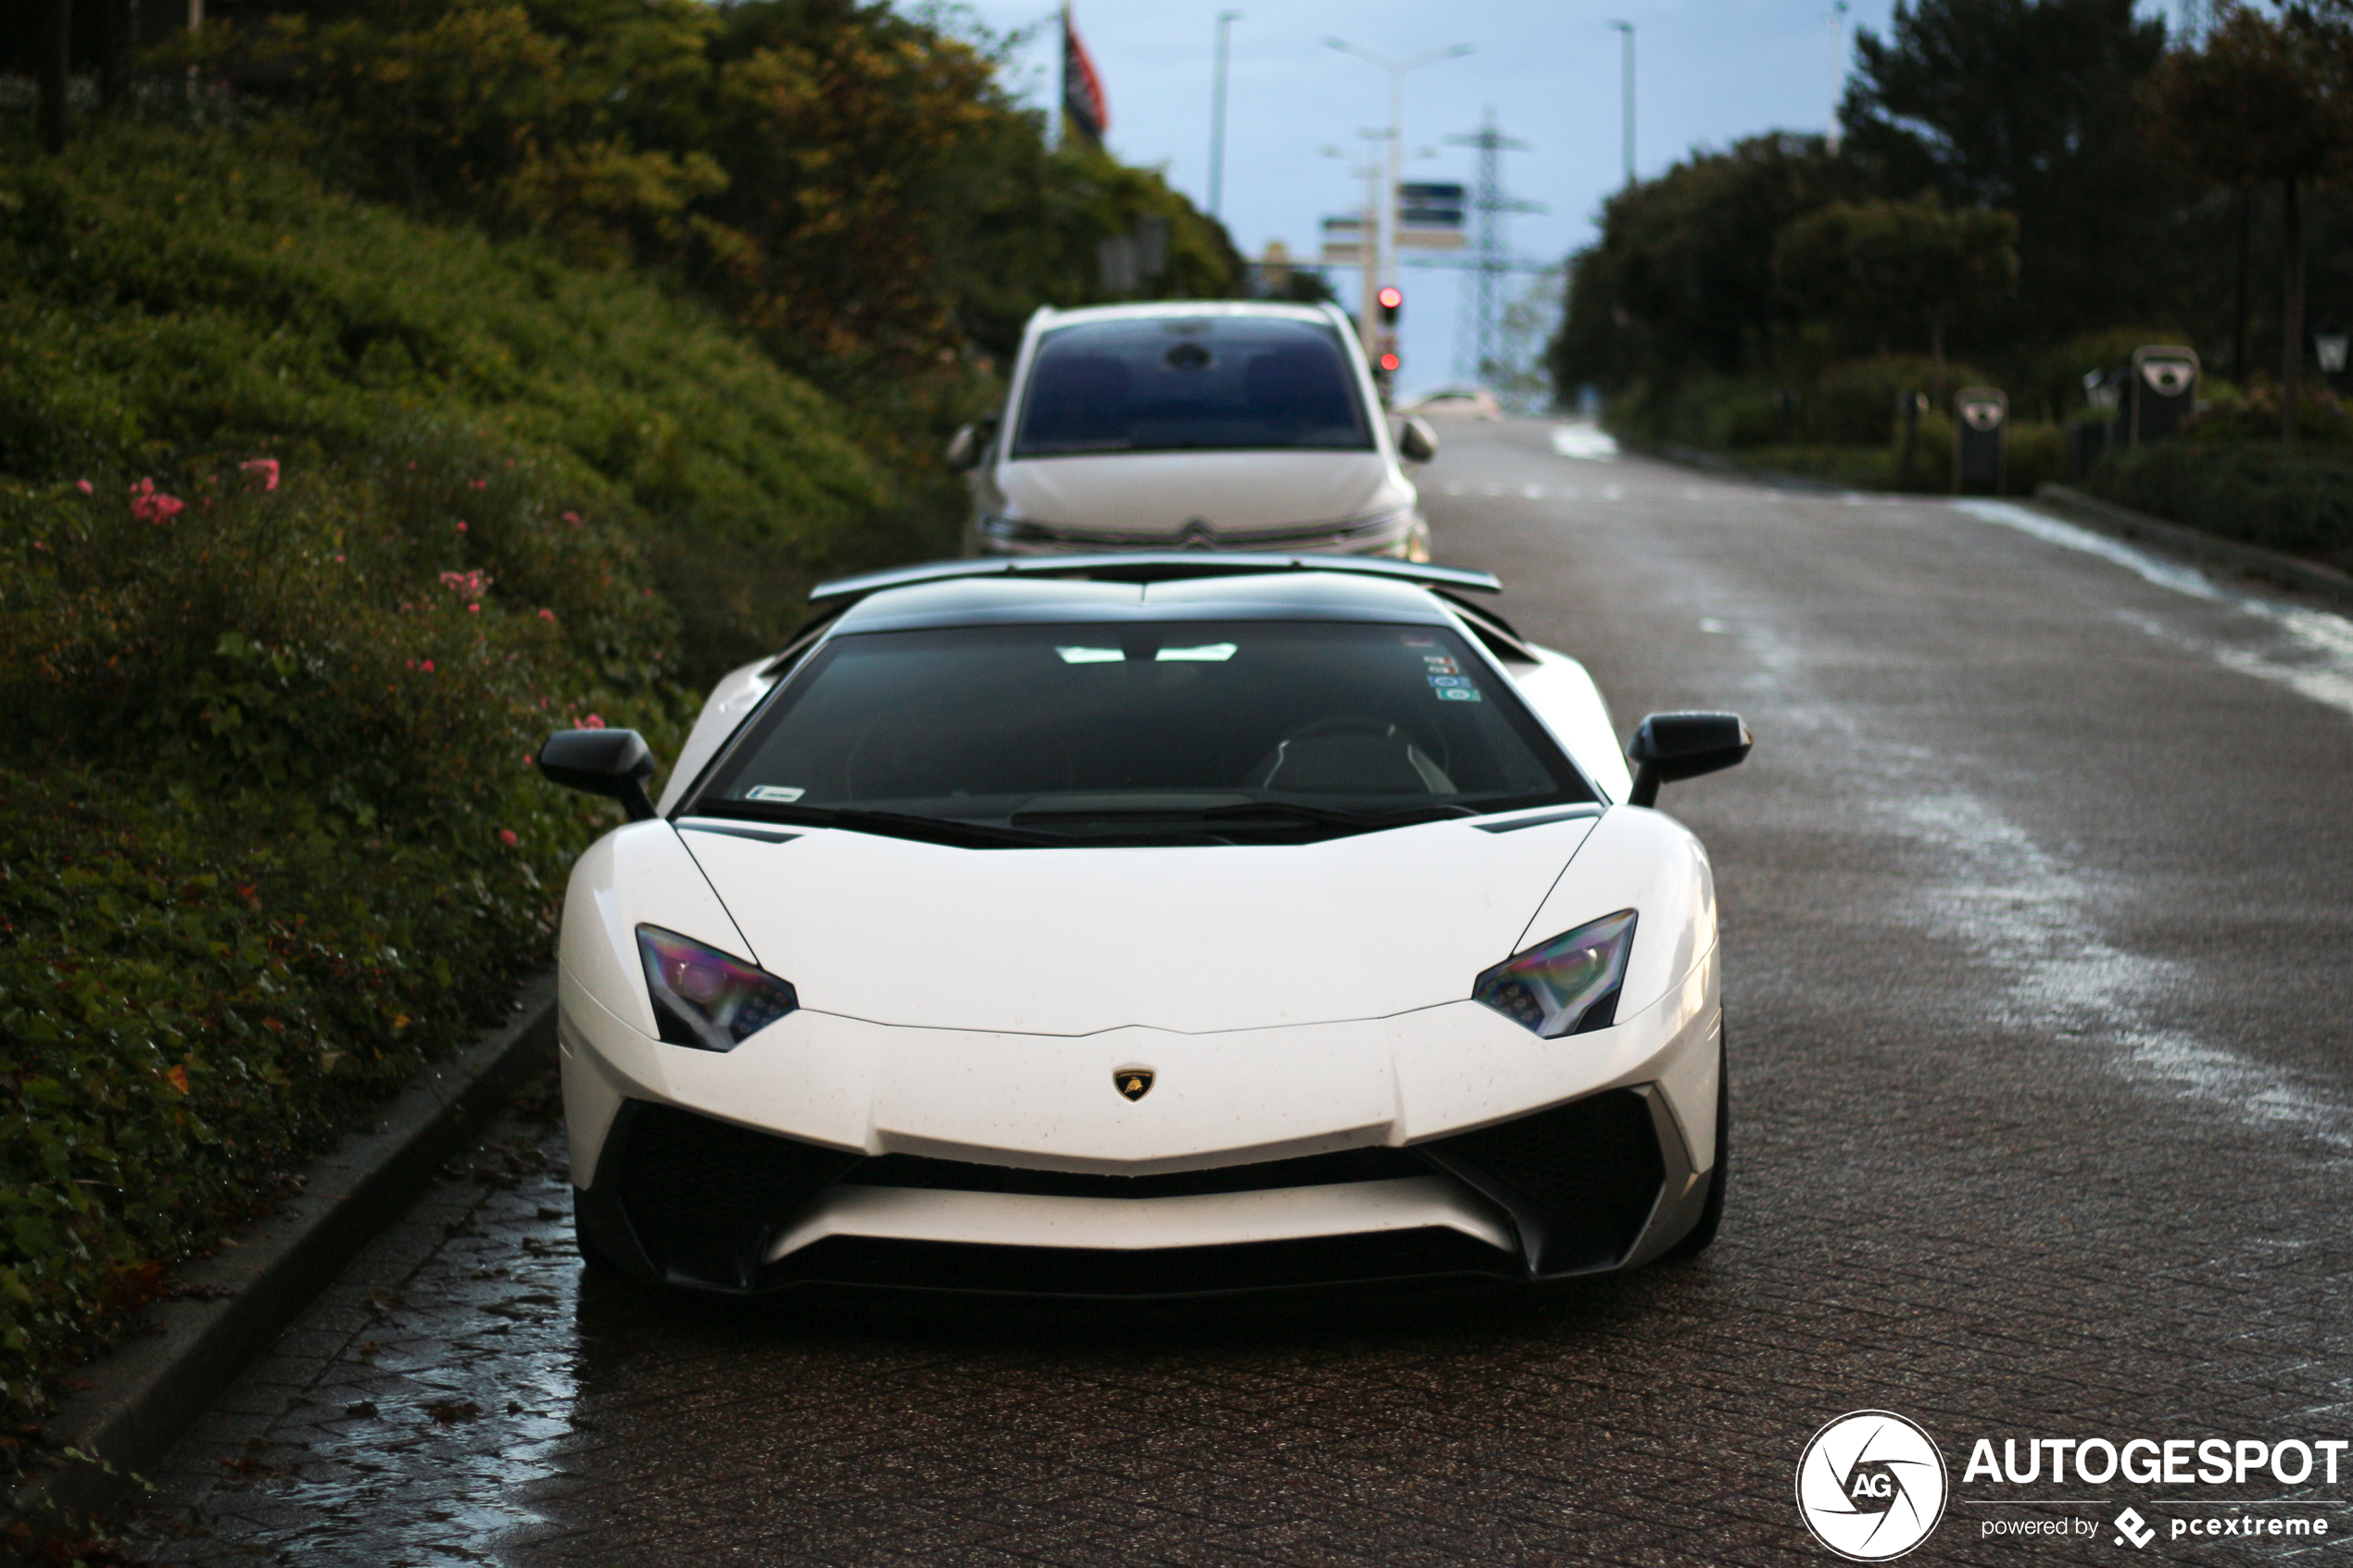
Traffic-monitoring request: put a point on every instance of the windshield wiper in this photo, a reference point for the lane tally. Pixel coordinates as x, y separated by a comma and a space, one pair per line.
952, 831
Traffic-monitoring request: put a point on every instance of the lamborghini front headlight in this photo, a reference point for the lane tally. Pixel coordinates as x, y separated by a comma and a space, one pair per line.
1567, 985
704, 999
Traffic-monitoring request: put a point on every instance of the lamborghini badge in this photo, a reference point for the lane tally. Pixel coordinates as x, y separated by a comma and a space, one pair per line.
1133, 1082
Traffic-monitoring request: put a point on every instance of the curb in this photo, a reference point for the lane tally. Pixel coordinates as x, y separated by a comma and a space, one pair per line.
149, 1391
2253, 560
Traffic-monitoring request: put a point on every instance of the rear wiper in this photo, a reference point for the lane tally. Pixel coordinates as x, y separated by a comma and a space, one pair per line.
892, 824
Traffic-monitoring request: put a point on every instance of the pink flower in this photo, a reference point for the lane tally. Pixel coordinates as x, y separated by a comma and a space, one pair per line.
265, 468
473, 585
474, 609
461, 528
546, 615
507, 837
338, 561
477, 484
592, 722
426, 667
83, 486
151, 505
573, 517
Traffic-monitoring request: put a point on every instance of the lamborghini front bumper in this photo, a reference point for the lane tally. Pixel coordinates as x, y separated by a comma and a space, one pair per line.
1444, 1145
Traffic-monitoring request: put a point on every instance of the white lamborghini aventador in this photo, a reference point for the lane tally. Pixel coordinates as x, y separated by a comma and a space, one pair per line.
1147, 926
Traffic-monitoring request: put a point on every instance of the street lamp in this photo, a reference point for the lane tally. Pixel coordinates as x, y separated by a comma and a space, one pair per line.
1385, 253
1627, 95
1225, 21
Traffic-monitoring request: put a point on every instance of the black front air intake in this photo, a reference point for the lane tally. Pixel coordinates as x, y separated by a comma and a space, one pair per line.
703, 1198
1579, 1181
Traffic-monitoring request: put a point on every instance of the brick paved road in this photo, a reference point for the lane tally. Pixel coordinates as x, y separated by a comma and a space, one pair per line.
2039, 898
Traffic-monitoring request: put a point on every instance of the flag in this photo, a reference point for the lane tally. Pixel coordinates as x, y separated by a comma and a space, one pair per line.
1083, 100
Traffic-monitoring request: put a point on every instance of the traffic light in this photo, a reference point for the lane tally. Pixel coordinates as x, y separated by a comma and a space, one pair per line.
1390, 299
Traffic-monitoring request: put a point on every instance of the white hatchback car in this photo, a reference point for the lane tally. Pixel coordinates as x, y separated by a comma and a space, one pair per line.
1190, 424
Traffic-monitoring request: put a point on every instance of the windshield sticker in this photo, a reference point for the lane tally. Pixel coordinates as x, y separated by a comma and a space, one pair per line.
1440, 664
1458, 693
1208, 652
774, 792
1091, 655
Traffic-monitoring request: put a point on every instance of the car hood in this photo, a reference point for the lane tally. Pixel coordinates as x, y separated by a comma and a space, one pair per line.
1190, 939
1159, 492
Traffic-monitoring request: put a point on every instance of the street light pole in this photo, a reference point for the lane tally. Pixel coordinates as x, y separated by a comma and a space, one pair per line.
1382, 257
1225, 21
1627, 95
1838, 63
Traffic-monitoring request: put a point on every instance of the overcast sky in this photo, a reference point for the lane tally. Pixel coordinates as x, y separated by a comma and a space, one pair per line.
1707, 71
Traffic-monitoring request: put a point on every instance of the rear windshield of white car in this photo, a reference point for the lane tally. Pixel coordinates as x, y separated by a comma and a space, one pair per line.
1223, 382
1216, 731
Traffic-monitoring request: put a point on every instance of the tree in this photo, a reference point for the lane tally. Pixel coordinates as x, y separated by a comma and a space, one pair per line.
1682, 279
854, 183
1892, 265
2264, 100
2030, 106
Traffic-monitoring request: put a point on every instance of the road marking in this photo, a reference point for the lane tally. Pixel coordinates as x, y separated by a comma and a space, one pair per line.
2020, 906
2316, 656
1585, 443
2034, 919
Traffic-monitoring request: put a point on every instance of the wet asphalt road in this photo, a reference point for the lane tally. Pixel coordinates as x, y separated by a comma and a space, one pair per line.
2038, 899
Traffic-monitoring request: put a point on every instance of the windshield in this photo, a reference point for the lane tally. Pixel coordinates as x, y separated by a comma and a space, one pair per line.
1230, 383
1221, 732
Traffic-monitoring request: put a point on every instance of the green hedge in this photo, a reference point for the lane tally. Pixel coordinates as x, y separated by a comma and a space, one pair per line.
165, 293
2299, 502
268, 837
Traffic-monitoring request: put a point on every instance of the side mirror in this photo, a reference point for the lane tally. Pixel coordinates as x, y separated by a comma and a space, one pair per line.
1416, 442
615, 763
966, 446
1682, 746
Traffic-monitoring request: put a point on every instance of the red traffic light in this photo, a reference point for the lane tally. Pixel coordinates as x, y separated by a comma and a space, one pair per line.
1391, 297
1390, 361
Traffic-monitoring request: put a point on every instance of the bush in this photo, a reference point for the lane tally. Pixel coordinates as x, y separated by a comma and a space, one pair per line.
1853, 404
2300, 503
268, 834
164, 293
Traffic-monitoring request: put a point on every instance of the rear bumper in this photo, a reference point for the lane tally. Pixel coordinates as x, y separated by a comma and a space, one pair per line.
1591, 1187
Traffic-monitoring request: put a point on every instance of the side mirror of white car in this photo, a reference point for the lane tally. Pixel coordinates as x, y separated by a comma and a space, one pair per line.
1682, 746
1417, 442
614, 763
965, 447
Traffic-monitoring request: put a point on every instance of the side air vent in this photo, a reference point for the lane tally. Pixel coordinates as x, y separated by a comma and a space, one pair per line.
703, 1197
1579, 1180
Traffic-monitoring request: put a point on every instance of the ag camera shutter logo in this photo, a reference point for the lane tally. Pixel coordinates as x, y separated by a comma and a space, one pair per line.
1871, 1486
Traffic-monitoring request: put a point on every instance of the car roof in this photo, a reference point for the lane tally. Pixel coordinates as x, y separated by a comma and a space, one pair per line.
1179, 309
